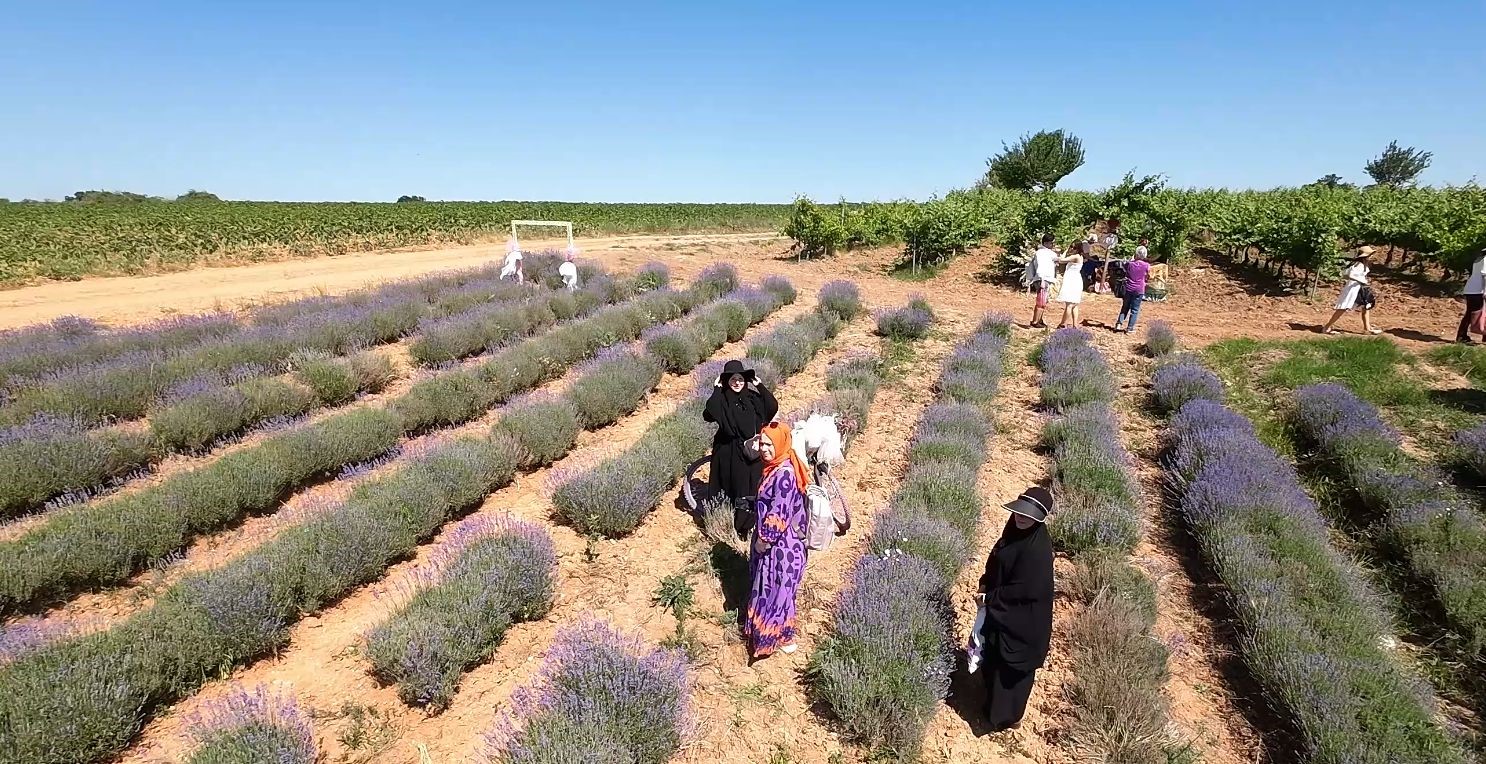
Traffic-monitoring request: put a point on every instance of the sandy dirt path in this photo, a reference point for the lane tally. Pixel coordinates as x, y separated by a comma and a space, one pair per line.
132, 299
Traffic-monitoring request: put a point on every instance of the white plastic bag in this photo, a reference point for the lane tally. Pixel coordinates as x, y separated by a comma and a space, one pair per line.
822, 525
976, 648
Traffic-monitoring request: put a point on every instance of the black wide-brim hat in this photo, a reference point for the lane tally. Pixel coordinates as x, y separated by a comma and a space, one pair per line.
1035, 502
736, 367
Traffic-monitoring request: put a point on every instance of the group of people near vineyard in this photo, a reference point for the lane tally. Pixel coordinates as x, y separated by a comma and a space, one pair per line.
1356, 292
756, 468
1129, 285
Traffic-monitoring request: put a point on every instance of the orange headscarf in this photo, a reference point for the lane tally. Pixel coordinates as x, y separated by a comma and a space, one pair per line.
784, 452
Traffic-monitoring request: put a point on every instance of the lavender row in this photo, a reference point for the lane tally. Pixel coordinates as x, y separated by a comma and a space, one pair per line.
486, 576
1426, 523
612, 497
63, 462
1093, 476
126, 386
490, 575
1117, 682
1312, 633
598, 690
105, 542
885, 666
29, 355
110, 681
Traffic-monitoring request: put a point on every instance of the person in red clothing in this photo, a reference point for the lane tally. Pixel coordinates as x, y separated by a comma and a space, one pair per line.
1135, 277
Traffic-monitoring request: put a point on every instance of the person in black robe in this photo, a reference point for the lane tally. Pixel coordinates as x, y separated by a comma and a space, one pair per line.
740, 406
1017, 591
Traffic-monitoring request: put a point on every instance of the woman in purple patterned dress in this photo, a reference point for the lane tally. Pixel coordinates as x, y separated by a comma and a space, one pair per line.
777, 562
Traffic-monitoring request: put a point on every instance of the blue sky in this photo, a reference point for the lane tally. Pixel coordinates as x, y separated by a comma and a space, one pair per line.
720, 101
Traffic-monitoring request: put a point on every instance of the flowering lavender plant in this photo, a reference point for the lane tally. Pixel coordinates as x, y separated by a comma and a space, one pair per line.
486, 575
256, 725
597, 690
1173, 386
841, 298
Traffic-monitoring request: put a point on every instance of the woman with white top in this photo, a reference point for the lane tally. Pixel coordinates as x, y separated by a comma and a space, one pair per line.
1355, 294
1474, 287
1071, 291
513, 263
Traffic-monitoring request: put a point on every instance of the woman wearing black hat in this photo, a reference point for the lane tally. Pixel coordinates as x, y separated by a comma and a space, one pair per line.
1017, 592
740, 406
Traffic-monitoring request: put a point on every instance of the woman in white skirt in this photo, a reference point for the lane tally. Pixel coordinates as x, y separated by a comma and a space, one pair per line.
1071, 290
1355, 294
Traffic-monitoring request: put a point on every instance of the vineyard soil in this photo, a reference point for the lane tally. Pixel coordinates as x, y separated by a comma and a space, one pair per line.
759, 712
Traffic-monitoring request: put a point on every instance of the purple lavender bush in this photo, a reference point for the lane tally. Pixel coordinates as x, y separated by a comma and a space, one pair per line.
1160, 338
841, 298
1073, 370
52, 456
486, 575
1312, 631
598, 691
1173, 386
652, 276
781, 288
1470, 448
546, 427
254, 725
106, 542
718, 279
906, 323
613, 497
885, 667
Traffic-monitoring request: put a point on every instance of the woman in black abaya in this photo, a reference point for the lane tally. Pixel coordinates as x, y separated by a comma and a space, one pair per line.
740, 406
1017, 590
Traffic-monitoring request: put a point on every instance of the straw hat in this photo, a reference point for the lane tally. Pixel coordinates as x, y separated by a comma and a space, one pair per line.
1365, 251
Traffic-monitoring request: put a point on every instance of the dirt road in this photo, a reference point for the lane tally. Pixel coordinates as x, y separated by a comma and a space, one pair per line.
131, 299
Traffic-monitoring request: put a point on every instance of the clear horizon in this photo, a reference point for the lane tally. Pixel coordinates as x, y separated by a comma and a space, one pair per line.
657, 102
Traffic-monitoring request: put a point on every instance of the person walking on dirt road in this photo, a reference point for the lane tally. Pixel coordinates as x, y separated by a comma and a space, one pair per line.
1355, 294
1135, 277
1044, 271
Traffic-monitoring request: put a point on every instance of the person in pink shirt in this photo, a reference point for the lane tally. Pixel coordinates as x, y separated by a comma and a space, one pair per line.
1135, 276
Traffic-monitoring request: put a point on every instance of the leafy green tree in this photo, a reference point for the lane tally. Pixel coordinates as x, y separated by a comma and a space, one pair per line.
406, 199
1331, 180
1035, 162
1398, 167
198, 196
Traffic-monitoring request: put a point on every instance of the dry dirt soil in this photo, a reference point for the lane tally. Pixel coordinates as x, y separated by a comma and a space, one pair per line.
745, 713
